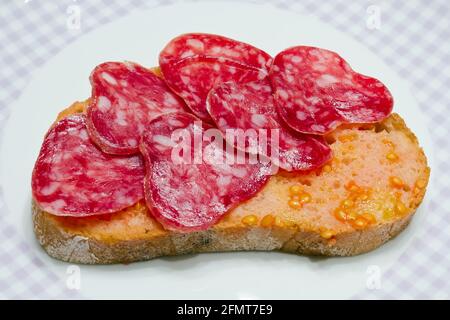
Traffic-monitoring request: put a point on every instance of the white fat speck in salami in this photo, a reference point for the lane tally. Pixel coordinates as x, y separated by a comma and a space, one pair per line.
251, 105
125, 97
316, 90
189, 195
192, 64
73, 177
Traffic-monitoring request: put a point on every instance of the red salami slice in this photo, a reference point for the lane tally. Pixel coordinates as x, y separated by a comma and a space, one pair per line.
126, 96
192, 64
238, 108
72, 177
316, 90
193, 194
214, 46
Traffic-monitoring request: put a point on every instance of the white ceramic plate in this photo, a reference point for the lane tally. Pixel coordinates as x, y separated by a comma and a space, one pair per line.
139, 37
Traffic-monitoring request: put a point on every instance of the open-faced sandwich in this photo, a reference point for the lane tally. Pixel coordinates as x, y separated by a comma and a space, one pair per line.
224, 148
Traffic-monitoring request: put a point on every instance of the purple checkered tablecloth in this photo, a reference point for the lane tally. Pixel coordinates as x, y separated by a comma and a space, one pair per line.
413, 38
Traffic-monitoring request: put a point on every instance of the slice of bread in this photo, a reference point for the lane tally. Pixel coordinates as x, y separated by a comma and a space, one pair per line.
365, 196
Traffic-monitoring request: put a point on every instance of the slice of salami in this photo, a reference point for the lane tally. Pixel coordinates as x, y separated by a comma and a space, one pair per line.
214, 46
72, 177
192, 64
241, 110
194, 193
316, 90
125, 97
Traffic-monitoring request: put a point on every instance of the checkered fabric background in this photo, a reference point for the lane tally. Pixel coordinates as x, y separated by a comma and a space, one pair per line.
413, 38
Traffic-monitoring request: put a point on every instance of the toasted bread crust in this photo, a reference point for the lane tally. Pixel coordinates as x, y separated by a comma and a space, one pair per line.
66, 246
69, 240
